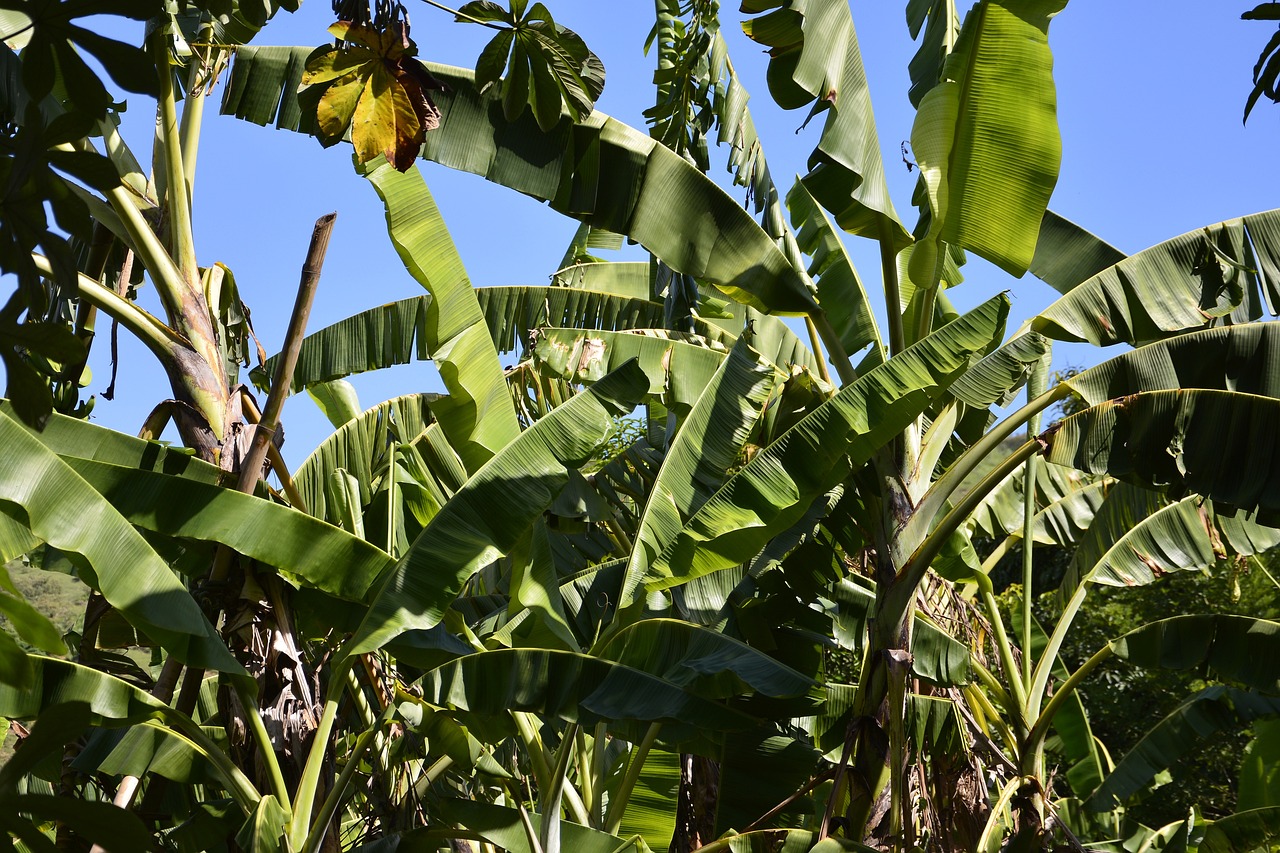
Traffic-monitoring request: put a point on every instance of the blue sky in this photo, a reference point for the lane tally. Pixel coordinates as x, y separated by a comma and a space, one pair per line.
1150, 101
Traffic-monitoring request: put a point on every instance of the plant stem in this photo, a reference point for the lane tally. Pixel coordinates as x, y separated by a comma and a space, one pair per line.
838, 356
618, 804
490, 24
1035, 738
1035, 385
817, 350
304, 799
1040, 677
330, 805
193, 106
892, 292
181, 235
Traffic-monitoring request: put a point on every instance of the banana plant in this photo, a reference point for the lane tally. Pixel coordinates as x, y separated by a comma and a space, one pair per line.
492, 631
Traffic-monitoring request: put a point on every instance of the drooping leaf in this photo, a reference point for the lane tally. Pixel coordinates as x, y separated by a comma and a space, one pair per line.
467, 535
707, 445
59, 507
1212, 710
478, 416
775, 488
1174, 441
1242, 832
815, 60
598, 171
1231, 648
1067, 255
1223, 273
986, 138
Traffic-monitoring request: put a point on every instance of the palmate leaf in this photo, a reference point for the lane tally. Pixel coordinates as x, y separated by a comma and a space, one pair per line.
816, 60
478, 416
59, 507
707, 445
774, 489
467, 534
598, 171
1200, 717
1223, 273
986, 138
1179, 442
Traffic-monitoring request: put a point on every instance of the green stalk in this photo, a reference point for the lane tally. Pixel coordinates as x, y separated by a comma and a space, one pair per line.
1006, 794
1035, 385
237, 784
193, 106
618, 805
549, 832
304, 800
838, 356
432, 773
1040, 677
1005, 650
330, 805
391, 504
936, 498
586, 779
158, 337
263, 740
181, 235
1035, 738
817, 350
892, 292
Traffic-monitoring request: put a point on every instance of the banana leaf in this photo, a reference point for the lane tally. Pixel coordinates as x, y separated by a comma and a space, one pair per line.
467, 534
477, 417
707, 445
1215, 709
297, 544
598, 171
1067, 255
1179, 442
840, 289
503, 827
775, 488
1242, 832
1223, 273
986, 138
814, 59
41, 491
679, 367
1230, 648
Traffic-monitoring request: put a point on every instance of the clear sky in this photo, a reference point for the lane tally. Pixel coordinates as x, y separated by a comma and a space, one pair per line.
1151, 94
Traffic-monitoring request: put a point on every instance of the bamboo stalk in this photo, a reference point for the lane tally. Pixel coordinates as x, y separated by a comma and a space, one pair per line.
251, 467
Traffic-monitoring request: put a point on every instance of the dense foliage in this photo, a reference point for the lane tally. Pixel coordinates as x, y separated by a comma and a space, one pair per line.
665, 581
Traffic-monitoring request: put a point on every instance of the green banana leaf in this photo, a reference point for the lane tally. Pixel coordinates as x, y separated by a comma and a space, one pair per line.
941, 27
396, 333
1067, 255
1258, 782
1232, 358
502, 826
109, 702
1223, 273
467, 534
1231, 648
336, 399
619, 278
477, 417
651, 808
59, 507
1179, 442
703, 661
986, 138
814, 59
1215, 709
1242, 832
679, 367
774, 490
598, 171
297, 544
936, 656
1066, 502
1138, 536
575, 687
707, 445
360, 448
840, 289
